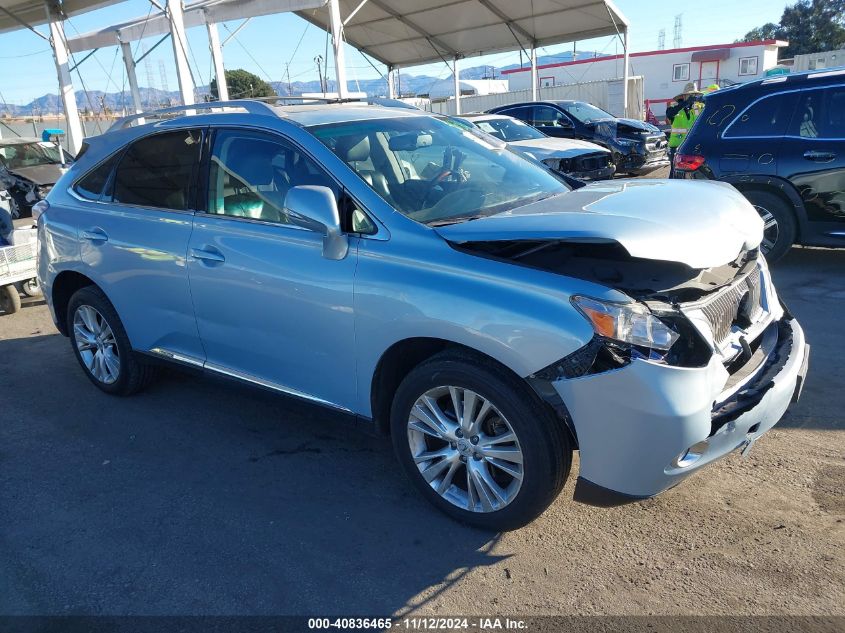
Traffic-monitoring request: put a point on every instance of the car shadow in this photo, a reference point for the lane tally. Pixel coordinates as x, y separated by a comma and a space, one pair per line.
201, 496
811, 284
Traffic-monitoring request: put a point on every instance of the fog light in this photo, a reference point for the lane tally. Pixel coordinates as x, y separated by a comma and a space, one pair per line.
691, 455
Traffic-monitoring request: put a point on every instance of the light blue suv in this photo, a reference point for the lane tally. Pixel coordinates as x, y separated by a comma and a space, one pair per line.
394, 266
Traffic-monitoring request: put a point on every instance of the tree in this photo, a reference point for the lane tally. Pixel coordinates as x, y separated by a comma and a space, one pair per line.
243, 85
809, 26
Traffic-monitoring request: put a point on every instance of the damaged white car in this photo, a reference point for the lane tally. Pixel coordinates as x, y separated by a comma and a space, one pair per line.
569, 156
422, 279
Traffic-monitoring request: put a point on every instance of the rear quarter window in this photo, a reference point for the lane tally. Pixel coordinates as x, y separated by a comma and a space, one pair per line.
92, 184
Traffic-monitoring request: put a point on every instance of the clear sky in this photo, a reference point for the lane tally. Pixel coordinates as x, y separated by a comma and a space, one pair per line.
268, 43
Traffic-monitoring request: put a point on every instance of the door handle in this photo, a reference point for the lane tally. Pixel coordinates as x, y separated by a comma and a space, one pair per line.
94, 235
208, 255
819, 157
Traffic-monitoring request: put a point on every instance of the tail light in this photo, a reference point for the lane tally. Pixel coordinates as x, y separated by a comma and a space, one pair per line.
688, 162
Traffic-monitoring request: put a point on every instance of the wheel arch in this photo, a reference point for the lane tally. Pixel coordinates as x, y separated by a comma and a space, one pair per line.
779, 187
404, 355
64, 286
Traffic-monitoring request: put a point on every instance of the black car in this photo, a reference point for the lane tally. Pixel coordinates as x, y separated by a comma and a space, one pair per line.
638, 147
781, 142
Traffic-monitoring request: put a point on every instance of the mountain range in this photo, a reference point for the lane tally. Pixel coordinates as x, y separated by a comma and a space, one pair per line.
93, 101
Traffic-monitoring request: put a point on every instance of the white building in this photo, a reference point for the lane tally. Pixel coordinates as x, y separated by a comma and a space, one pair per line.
817, 61
445, 89
665, 72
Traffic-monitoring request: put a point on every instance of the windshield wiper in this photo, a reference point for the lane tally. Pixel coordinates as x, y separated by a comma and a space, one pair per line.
456, 219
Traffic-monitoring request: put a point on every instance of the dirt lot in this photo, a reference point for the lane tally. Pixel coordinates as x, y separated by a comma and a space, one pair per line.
200, 497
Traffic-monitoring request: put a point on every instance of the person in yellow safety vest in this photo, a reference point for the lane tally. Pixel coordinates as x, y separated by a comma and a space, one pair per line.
689, 106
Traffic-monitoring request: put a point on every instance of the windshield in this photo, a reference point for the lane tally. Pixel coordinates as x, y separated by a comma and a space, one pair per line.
585, 112
509, 129
18, 155
437, 172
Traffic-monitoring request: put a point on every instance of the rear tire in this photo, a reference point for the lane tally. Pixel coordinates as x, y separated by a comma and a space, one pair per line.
528, 471
10, 299
101, 345
780, 225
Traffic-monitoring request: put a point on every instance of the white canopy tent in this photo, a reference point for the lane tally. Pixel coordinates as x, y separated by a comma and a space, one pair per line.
402, 33
398, 33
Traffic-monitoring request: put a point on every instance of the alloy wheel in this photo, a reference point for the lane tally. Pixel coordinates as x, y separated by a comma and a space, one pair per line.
771, 230
465, 449
96, 344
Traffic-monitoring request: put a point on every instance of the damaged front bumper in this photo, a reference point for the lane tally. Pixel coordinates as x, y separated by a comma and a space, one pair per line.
644, 427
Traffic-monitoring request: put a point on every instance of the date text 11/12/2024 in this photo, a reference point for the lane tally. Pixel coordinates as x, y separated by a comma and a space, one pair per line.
419, 624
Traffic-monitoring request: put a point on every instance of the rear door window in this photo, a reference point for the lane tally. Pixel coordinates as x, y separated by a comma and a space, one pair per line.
769, 116
159, 171
820, 114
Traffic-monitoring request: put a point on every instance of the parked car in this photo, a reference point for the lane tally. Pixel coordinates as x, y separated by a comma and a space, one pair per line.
477, 309
781, 142
577, 159
29, 168
638, 147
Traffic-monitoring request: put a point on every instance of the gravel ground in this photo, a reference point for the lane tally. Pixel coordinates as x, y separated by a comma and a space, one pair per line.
201, 497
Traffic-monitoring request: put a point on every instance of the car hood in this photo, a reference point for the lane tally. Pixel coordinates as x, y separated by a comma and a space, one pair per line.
698, 223
541, 148
39, 174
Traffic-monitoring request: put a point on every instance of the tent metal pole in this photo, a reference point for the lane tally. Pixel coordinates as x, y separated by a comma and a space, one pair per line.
534, 79
180, 50
58, 42
337, 44
217, 59
391, 83
625, 72
457, 85
126, 50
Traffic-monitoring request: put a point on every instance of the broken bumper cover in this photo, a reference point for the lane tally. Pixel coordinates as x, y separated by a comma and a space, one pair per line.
646, 426
602, 173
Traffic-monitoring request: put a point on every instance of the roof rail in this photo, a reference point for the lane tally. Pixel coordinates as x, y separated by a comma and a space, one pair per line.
253, 106
381, 101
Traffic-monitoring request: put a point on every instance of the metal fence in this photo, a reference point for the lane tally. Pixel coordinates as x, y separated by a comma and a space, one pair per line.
606, 94
12, 128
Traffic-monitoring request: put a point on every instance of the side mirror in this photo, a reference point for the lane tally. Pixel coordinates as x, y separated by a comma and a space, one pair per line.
318, 204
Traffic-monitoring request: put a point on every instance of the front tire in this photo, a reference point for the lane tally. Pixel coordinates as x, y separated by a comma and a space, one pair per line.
478, 443
779, 227
101, 345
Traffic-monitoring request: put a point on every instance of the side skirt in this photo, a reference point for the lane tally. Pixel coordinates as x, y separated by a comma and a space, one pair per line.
168, 357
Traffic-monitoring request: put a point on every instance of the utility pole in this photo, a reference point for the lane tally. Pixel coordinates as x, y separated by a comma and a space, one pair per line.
661, 39
287, 74
319, 61
678, 39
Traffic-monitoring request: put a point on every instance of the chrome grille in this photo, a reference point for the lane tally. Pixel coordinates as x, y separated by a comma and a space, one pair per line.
725, 308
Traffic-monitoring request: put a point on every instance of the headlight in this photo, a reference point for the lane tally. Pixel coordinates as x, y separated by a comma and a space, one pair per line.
631, 323
626, 142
